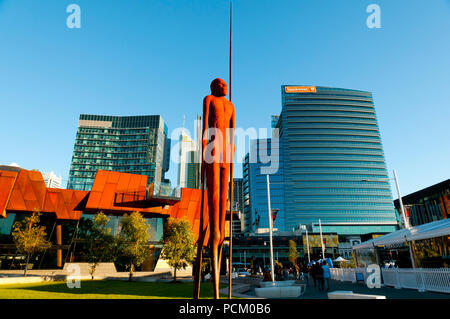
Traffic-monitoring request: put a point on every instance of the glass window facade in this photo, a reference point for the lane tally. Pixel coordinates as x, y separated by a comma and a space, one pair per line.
258, 188
333, 162
131, 144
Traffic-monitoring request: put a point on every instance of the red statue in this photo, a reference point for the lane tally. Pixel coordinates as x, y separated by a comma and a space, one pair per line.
217, 161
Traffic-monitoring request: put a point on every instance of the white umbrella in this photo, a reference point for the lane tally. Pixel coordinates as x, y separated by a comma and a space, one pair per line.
340, 259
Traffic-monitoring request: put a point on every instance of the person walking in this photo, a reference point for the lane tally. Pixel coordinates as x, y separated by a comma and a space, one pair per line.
305, 272
313, 271
285, 273
319, 275
326, 274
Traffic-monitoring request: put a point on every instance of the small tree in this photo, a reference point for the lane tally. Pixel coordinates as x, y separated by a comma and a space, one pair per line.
133, 240
30, 237
101, 244
293, 254
179, 248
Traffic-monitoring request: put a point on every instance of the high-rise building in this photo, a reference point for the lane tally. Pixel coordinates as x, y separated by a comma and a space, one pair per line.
248, 217
257, 180
131, 144
238, 205
334, 165
51, 180
189, 163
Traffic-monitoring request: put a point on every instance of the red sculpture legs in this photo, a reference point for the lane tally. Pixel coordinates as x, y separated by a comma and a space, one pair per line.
217, 179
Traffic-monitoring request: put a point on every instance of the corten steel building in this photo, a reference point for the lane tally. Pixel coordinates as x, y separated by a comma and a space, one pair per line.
333, 161
66, 212
131, 144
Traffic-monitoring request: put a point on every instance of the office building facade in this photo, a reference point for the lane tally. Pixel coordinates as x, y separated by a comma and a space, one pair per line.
333, 161
131, 144
247, 214
189, 162
426, 205
238, 205
257, 179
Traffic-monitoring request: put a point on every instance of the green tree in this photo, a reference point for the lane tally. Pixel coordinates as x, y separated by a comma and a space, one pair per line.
293, 253
179, 248
101, 244
133, 240
30, 237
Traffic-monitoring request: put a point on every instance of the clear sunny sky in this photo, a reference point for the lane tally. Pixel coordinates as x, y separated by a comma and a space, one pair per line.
140, 57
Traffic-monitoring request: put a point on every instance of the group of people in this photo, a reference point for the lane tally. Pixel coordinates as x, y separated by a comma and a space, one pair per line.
320, 273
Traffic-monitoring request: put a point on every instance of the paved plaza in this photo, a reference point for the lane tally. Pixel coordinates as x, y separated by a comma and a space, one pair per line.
360, 288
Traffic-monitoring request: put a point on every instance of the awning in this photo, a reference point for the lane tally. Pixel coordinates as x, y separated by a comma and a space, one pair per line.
425, 231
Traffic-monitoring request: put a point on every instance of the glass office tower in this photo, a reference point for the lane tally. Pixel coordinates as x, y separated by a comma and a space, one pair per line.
258, 186
131, 144
334, 166
248, 218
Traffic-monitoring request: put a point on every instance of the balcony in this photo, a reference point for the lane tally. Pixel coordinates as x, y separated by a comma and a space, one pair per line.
156, 194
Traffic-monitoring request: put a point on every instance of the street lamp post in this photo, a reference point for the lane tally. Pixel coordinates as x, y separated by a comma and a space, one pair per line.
321, 240
402, 208
270, 227
307, 244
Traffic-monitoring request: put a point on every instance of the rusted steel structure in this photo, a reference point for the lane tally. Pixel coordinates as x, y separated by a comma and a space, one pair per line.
24, 191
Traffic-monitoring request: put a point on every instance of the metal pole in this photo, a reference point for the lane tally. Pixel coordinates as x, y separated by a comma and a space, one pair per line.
402, 208
405, 222
321, 240
307, 244
230, 270
270, 228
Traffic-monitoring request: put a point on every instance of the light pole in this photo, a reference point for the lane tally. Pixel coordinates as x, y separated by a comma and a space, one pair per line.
307, 244
270, 228
402, 208
321, 240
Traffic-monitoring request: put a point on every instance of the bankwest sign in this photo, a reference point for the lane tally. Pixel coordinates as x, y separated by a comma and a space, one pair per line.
300, 89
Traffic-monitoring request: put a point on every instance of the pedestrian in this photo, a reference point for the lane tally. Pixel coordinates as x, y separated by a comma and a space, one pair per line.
305, 273
313, 272
326, 274
319, 275
285, 273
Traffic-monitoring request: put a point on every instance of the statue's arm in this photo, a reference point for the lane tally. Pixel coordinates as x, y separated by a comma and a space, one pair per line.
206, 103
232, 126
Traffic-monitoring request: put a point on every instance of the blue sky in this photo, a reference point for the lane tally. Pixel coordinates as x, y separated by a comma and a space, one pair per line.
141, 57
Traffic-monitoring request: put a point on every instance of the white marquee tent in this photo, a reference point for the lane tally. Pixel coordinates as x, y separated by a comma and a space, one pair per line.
425, 231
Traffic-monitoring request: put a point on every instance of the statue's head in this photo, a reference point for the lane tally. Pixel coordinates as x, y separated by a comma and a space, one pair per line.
219, 87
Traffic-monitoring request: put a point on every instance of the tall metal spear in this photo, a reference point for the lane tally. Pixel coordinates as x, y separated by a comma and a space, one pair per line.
230, 266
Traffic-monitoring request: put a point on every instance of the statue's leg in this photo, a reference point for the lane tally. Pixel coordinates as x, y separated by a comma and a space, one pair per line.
224, 178
213, 182
198, 261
